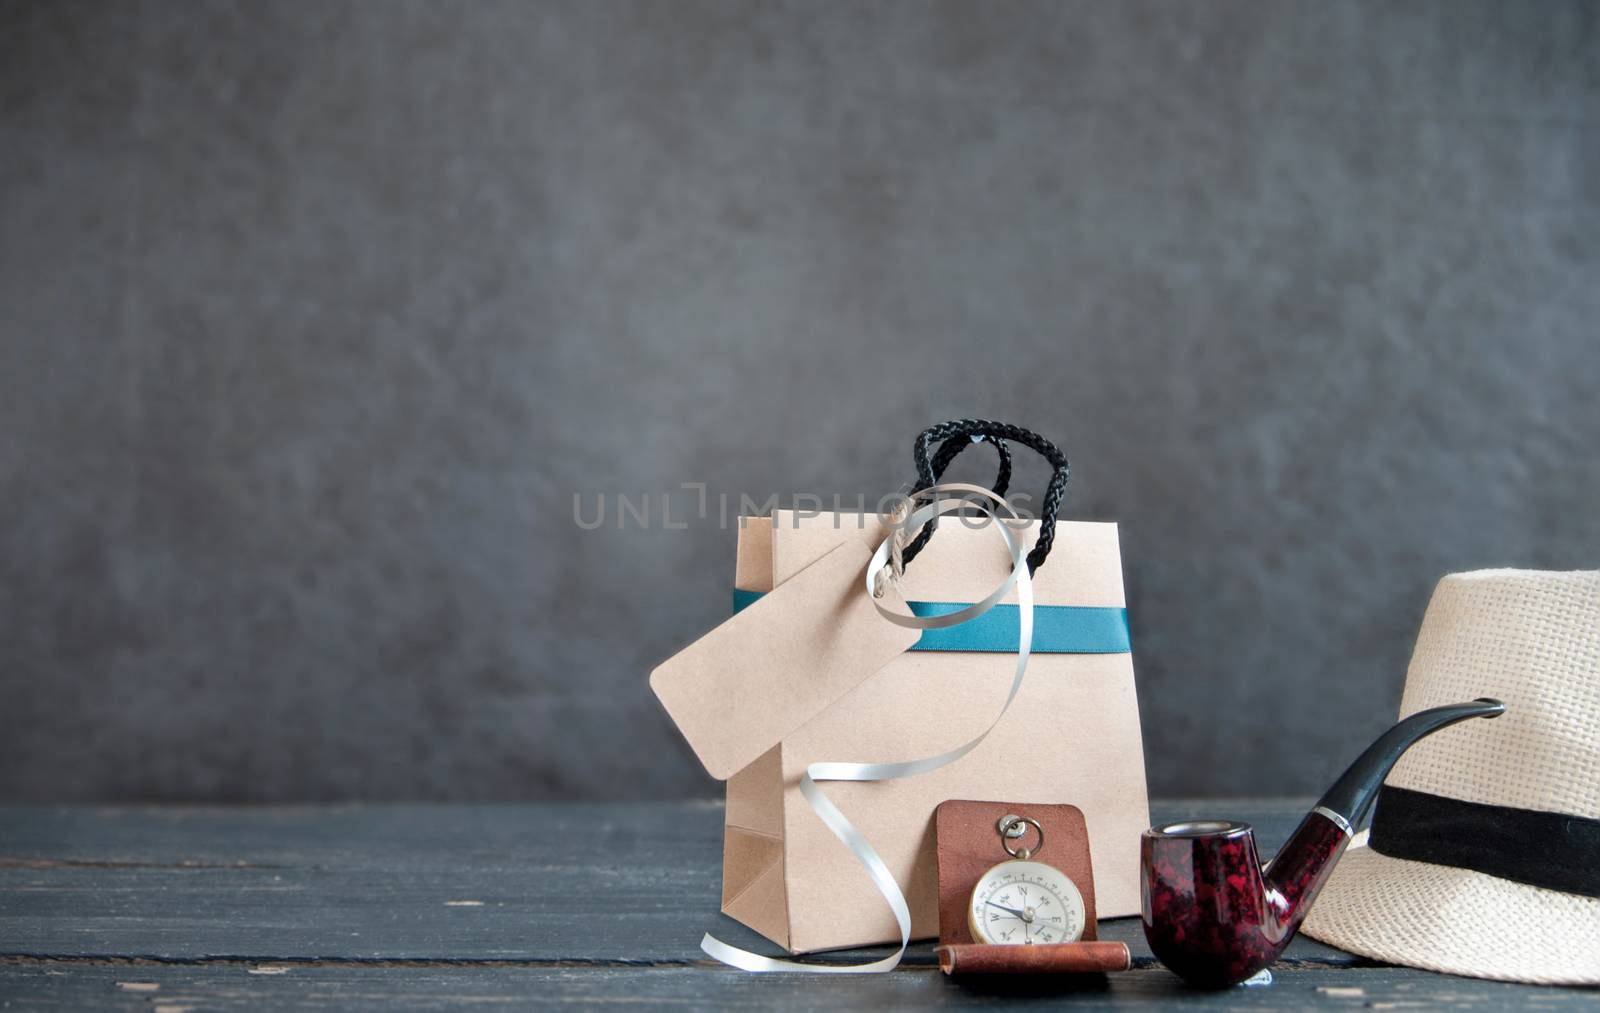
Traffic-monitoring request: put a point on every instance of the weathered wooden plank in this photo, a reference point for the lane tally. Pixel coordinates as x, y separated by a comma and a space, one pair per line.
176, 988
546, 883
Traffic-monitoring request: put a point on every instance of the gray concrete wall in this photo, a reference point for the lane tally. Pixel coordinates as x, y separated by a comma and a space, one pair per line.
315, 317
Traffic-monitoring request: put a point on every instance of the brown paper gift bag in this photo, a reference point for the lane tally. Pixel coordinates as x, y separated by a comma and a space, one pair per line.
1072, 736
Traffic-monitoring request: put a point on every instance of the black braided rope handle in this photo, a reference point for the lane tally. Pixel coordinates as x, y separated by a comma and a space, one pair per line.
948, 451
1000, 432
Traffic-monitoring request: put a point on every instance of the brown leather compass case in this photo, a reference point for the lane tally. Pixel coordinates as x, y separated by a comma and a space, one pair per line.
969, 844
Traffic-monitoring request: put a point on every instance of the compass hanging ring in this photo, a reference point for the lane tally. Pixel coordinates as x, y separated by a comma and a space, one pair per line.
1017, 826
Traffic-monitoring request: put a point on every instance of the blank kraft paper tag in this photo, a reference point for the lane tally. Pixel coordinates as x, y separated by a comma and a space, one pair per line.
737, 691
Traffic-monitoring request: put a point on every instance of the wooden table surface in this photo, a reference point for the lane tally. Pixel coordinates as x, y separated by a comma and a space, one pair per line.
421, 906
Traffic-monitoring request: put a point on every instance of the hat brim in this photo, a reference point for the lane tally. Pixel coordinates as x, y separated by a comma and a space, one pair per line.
1456, 921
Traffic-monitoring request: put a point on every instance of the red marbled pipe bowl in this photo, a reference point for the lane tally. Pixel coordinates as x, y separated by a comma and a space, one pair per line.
1209, 913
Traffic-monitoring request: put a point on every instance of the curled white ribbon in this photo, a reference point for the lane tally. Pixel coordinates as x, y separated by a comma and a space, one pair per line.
829, 813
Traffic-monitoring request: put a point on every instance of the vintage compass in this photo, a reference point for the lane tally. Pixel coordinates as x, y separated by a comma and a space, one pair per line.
1021, 902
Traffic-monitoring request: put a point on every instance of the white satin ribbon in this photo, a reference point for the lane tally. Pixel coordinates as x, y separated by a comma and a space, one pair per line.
829, 813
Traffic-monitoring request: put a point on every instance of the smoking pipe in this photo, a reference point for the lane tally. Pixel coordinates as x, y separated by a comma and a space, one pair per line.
1211, 912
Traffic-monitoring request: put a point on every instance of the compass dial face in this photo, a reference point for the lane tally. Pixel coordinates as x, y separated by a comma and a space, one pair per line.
1021, 903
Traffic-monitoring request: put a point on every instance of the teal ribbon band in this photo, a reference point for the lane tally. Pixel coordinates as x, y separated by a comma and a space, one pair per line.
1057, 629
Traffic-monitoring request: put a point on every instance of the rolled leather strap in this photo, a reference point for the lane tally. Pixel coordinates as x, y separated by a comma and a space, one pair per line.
1048, 958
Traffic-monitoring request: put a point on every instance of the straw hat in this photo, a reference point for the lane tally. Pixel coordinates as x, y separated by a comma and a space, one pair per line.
1484, 856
